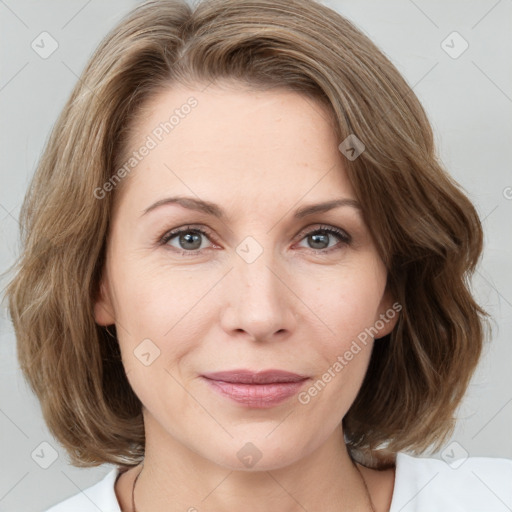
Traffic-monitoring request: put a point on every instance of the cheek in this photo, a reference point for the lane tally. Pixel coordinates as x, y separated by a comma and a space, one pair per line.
347, 307
171, 308
348, 302
152, 296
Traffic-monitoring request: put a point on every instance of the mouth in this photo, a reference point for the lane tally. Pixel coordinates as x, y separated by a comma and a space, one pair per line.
257, 390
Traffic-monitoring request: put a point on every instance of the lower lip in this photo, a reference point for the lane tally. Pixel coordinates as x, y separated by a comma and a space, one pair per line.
258, 396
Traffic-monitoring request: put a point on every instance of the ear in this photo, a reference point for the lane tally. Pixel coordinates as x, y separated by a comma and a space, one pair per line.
388, 314
103, 307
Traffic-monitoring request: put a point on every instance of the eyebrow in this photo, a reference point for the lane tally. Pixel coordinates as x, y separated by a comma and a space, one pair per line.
215, 210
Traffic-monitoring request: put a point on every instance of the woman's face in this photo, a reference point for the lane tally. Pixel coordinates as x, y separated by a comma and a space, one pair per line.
249, 284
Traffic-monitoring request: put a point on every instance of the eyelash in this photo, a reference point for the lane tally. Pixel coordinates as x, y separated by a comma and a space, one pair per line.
344, 238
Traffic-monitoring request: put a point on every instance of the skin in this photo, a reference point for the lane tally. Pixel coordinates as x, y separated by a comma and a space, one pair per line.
259, 156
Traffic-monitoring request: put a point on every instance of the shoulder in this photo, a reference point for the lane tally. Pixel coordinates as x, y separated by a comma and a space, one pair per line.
463, 484
100, 496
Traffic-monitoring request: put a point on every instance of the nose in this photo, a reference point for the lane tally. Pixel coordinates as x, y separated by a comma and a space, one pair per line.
259, 300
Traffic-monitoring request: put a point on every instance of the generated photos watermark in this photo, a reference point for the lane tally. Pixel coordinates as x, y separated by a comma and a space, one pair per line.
343, 360
152, 140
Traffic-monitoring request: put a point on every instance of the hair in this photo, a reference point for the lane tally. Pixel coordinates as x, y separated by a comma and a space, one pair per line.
425, 228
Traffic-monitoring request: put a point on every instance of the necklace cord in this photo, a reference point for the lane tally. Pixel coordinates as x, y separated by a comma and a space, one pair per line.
365, 486
133, 488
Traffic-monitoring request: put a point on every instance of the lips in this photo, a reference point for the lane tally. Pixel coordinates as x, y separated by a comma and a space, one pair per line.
257, 390
250, 377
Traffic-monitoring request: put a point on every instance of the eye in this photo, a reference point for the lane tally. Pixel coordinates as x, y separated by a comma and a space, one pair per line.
319, 238
188, 240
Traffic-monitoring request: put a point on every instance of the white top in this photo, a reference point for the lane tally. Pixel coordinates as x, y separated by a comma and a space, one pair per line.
476, 484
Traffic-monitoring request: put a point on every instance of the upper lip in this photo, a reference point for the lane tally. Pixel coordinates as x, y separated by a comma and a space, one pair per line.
252, 377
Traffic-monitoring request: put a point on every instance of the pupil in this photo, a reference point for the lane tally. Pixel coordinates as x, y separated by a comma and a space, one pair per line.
190, 238
320, 238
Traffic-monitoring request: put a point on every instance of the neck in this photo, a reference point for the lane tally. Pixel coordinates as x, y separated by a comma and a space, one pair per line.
179, 479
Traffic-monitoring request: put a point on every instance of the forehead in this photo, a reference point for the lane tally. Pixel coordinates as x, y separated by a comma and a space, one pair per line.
225, 139
211, 117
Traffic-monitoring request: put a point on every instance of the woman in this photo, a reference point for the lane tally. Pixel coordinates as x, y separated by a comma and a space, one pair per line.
244, 277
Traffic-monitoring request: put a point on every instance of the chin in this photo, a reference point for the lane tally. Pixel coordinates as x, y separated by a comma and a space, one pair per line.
256, 453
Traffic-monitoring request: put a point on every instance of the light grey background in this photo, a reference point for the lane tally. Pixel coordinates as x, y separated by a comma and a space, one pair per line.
468, 99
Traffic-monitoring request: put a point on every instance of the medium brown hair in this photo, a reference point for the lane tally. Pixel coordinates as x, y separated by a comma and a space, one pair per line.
425, 228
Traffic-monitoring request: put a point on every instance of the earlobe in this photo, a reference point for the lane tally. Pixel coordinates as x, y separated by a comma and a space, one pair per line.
103, 310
